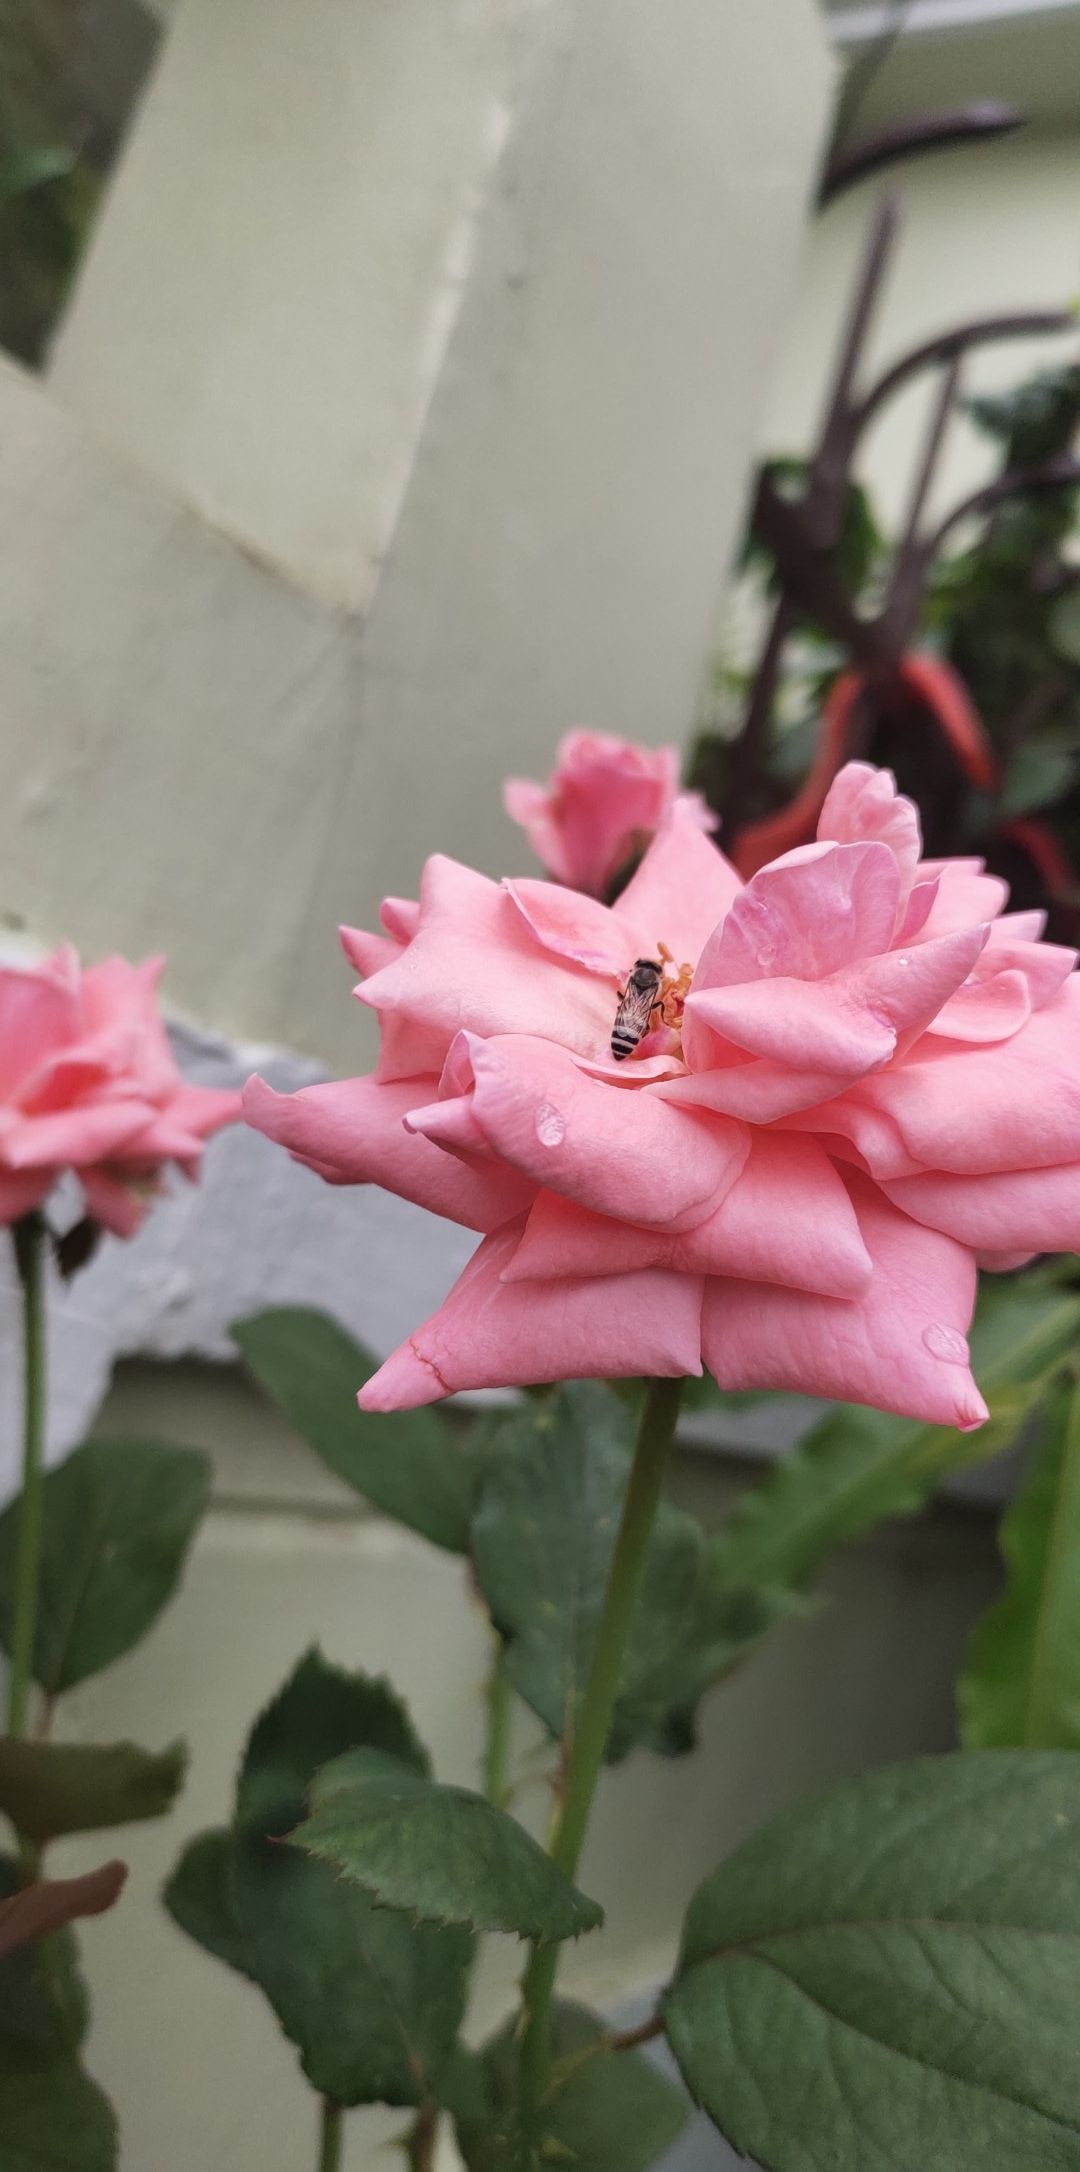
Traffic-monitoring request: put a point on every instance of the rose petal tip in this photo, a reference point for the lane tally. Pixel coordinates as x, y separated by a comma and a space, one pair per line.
405, 1382
256, 1101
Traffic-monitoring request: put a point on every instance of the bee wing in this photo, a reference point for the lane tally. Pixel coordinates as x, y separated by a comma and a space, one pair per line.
632, 1016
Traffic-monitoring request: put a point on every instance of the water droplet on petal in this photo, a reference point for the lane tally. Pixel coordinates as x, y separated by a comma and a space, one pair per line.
947, 1343
550, 1124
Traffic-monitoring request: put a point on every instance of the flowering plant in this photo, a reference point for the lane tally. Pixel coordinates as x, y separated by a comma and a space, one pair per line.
90, 1552
770, 1129
765, 1129
88, 1083
860, 1077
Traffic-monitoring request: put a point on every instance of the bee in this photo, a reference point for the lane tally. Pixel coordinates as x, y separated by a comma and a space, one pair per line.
637, 1001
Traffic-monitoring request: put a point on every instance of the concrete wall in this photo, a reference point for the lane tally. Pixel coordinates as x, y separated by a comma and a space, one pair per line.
448, 326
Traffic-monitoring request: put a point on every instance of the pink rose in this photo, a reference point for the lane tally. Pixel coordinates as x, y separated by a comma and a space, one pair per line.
88, 1082
868, 1082
605, 799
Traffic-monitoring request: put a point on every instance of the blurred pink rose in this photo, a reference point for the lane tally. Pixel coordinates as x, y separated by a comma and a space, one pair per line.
604, 801
88, 1082
872, 1083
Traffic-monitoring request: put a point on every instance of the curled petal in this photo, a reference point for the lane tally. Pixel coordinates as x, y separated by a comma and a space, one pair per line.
1015, 975
754, 1090
354, 1133
1045, 966
901, 1346
618, 1152
820, 908
986, 1010
368, 953
863, 803
1024, 927
787, 1218
575, 927
492, 1334
451, 1123
852, 1132
849, 1023
1020, 1211
400, 917
917, 911
474, 964
796, 1023
964, 895
970, 1110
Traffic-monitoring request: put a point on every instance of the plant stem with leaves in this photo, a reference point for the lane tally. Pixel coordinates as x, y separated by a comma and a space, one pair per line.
656, 1433
29, 1236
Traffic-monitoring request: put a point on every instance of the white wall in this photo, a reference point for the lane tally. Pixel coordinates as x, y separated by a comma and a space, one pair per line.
448, 326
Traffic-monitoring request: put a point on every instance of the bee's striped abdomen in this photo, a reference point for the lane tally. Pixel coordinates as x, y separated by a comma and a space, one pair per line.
635, 1008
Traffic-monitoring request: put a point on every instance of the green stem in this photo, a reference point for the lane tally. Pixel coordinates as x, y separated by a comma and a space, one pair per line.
656, 1433
30, 1259
500, 1702
330, 2133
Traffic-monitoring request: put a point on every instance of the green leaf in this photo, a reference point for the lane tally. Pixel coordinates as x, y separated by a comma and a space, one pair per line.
412, 1465
1022, 1682
442, 1853
889, 1979
49, 1788
120, 1516
859, 1465
321, 1712
372, 2002
53, 2118
607, 2111
543, 1535
199, 1899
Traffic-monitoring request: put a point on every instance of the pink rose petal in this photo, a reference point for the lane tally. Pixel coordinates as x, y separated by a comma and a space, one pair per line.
492, 1334
900, 1347
354, 1133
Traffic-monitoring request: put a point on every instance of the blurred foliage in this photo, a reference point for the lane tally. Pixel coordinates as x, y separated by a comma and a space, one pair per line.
69, 70
860, 546
1004, 612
